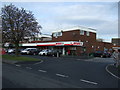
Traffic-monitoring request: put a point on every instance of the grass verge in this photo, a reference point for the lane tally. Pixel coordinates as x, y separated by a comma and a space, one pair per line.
19, 58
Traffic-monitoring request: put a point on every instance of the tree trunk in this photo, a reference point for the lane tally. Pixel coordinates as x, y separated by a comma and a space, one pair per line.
16, 49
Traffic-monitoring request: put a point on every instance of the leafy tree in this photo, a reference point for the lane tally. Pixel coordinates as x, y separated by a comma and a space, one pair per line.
17, 24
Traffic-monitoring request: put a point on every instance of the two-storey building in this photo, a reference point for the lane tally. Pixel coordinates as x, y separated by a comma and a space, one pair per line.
72, 41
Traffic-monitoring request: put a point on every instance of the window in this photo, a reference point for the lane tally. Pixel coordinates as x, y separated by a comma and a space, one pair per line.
81, 32
87, 33
57, 34
54, 35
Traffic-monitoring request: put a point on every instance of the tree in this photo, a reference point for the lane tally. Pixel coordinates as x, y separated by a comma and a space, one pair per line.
17, 24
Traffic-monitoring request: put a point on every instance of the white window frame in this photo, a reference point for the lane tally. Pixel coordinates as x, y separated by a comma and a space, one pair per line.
87, 33
56, 34
82, 32
59, 33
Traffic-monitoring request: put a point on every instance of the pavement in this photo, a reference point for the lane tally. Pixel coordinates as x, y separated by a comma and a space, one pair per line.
60, 72
9, 61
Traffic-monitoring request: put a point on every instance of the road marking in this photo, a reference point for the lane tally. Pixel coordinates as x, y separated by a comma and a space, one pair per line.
78, 59
61, 75
88, 81
18, 65
42, 71
38, 62
28, 67
110, 72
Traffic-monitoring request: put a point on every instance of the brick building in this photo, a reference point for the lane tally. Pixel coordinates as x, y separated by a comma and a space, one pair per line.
73, 41
116, 43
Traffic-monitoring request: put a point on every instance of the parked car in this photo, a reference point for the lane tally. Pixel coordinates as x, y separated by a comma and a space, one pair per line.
44, 52
54, 53
30, 51
101, 54
34, 51
2, 51
10, 51
106, 54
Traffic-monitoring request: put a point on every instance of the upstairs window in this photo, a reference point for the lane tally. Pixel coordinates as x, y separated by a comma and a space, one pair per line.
59, 33
88, 33
81, 32
56, 34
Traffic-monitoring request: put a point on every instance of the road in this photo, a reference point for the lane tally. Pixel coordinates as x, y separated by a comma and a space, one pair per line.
54, 72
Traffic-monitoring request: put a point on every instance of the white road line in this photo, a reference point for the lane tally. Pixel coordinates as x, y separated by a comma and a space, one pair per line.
18, 65
78, 59
28, 67
110, 72
38, 62
61, 75
42, 71
88, 81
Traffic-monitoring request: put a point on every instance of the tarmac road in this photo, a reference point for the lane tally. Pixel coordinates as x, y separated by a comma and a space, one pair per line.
54, 72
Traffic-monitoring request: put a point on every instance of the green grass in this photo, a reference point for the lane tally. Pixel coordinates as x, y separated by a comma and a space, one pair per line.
19, 58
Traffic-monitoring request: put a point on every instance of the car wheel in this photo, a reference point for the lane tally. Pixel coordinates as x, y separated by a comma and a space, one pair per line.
34, 54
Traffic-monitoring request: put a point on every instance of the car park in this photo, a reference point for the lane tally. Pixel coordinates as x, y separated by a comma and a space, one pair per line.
32, 51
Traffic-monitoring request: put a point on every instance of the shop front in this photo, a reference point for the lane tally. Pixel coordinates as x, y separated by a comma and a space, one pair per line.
66, 47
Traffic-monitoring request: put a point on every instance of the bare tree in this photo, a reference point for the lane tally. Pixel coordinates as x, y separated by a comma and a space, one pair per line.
17, 24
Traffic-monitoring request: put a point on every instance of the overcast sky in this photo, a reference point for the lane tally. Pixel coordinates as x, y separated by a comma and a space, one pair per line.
102, 16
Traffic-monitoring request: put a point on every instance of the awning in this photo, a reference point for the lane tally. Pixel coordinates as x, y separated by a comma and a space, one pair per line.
67, 43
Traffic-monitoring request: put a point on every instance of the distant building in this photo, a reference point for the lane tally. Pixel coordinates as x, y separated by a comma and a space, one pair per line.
38, 38
116, 43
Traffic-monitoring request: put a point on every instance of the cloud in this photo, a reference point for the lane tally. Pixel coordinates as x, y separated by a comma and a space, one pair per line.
57, 15
101, 17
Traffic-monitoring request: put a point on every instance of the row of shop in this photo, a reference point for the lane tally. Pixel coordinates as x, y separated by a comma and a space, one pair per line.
72, 41
67, 48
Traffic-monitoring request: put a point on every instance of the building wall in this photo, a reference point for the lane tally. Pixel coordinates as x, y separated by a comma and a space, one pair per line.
116, 43
101, 46
74, 36
88, 41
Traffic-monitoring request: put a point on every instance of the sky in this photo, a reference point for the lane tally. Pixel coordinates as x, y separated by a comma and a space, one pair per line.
102, 16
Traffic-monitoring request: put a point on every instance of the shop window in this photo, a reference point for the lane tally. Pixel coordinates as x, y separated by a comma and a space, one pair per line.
88, 33
81, 32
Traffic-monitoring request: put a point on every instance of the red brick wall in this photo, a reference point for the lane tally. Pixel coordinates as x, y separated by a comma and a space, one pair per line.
74, 35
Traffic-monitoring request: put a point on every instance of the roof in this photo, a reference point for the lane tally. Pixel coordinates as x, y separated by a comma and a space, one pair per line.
63, 43
76, 28
44, 35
